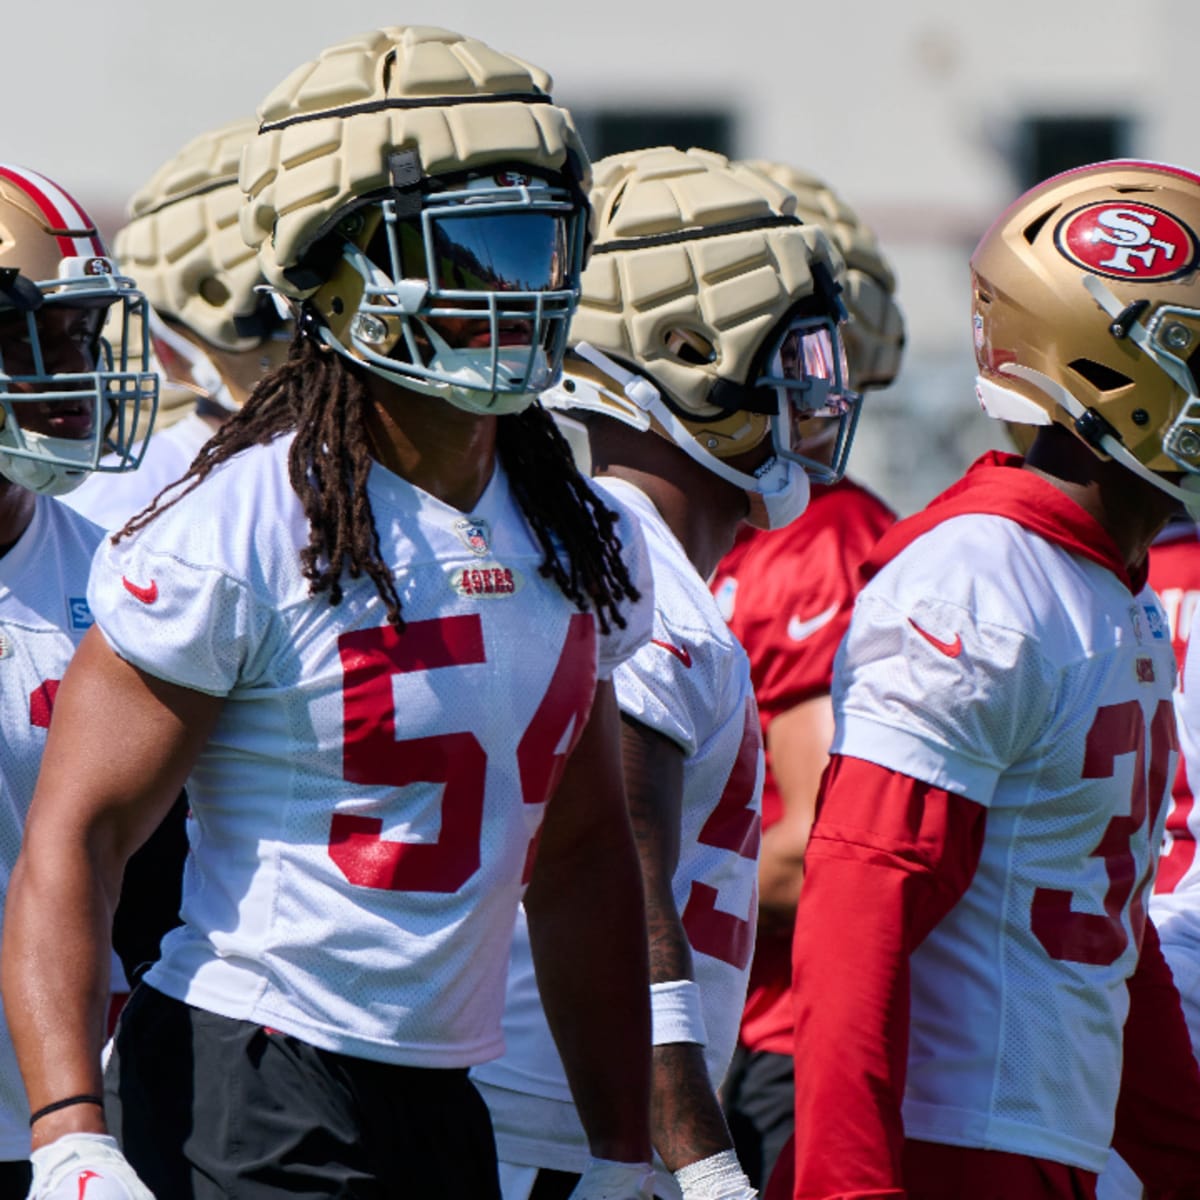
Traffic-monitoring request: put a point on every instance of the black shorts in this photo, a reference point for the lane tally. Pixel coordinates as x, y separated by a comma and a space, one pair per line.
760, 1098
205, 1107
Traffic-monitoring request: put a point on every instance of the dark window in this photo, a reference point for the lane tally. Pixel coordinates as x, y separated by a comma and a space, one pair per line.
611, 131
1050, 144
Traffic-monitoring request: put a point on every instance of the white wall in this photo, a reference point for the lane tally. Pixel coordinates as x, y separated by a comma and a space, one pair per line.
906, 106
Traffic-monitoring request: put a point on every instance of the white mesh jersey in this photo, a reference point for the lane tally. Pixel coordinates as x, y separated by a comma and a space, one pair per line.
111, 499
43, 614
992, 663
362, 816
691, 684
1177, 913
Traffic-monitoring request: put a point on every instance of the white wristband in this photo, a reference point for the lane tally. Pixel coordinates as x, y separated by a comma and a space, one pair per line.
676, 1013
718, 1177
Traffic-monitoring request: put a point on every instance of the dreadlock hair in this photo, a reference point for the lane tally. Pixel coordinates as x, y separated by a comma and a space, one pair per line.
322, 398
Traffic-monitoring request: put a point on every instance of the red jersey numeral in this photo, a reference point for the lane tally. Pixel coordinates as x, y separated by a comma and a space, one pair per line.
1093, 938
732, 825
41, 703
372, 755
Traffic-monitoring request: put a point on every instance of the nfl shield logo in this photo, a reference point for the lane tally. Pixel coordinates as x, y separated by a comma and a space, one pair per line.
1145, 670
473, 533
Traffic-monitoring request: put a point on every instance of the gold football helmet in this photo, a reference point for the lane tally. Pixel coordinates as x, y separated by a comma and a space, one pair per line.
422, 197
874, 329
222, 329
1087, 313
709, 314
67, 395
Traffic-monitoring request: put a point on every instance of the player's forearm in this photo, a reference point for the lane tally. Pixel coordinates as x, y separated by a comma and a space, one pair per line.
55, 971
780, 876
588, 942
687, 1121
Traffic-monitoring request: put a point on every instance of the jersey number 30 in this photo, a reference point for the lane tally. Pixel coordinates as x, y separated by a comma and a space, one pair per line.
1091, 937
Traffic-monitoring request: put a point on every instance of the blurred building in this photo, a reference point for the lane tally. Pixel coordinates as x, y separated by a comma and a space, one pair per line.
927, 116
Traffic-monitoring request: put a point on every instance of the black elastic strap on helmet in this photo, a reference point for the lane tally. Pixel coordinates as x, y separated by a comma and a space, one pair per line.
404, 167
693, 235
374, 106
18, 292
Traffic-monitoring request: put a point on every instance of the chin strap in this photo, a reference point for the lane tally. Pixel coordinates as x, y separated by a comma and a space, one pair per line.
1093, 429
648, 400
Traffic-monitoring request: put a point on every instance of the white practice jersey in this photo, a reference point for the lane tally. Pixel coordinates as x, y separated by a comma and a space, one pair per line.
43, 614
995, 664
1177, 913
691, 684
363, 814
111, 499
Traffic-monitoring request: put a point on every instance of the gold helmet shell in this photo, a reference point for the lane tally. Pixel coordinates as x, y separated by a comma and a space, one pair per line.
1086, 311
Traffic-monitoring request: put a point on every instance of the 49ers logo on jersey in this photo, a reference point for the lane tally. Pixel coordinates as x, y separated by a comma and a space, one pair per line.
1127, 241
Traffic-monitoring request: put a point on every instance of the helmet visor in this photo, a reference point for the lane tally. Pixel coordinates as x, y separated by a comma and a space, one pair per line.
817, 408
508, 252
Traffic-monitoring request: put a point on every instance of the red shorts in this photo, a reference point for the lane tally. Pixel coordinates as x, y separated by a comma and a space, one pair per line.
933, 1171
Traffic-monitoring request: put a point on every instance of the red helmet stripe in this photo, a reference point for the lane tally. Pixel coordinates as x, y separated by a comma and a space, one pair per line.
60, 209
1131, 164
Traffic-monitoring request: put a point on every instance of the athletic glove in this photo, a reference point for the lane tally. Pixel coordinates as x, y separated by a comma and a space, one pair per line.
608, 1180
84, 1166
718, 1177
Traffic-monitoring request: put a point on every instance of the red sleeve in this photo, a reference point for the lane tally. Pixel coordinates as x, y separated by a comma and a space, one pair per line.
1158, 1110
888, 859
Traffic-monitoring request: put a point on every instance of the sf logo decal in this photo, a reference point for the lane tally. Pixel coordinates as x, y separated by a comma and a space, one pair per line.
1127, 241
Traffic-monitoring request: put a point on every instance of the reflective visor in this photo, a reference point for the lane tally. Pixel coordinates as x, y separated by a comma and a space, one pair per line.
497, 252
810, 366
817, 413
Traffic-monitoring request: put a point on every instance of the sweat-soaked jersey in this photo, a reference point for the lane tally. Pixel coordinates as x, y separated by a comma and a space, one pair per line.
1018, 670
364, 815
691, 684
43, 614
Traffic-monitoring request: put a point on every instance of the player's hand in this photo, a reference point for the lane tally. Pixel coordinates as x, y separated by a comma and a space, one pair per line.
84, 1166
608, 1180
718, 1177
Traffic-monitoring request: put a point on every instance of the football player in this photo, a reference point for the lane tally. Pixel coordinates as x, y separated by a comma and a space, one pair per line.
215, 326
981, 1003
1175, 904
64, 401
706, 336
374, 625
788, 595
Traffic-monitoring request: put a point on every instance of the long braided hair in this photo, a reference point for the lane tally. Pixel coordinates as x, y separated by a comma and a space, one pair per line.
320, 395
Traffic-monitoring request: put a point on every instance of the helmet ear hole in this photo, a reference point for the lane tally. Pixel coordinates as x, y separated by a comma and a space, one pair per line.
690, 347
1102, 378
1035, 226
214, 292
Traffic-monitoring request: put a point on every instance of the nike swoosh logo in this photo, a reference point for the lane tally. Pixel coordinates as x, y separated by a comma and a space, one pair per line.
147, 595
680, 652
798, 630
85, 1177
949, 649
